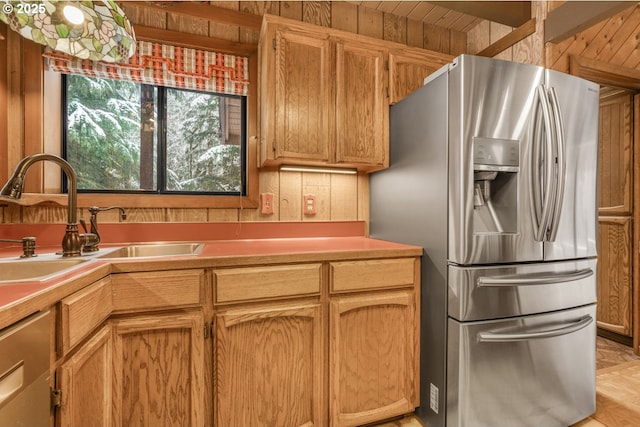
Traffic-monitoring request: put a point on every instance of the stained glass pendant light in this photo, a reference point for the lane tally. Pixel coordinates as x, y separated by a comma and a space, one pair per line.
95, 30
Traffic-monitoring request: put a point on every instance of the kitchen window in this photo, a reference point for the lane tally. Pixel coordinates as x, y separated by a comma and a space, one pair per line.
209, 68
123, 136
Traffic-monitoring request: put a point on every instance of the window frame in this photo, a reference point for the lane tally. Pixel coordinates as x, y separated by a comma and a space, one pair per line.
160, 145
52, 144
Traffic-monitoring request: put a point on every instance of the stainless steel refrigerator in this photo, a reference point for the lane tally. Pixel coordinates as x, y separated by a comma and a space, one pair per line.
493, 172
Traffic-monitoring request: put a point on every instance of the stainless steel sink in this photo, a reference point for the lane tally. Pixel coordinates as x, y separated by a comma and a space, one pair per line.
35, 269
155, 250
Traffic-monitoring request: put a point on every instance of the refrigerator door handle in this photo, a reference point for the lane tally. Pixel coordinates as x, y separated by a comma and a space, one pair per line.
532, 279
560, 164
498, 335
545, 216
535, 195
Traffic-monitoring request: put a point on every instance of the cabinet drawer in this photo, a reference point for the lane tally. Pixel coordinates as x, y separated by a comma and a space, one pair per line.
373, 274
242, 284
83, 311
157, 289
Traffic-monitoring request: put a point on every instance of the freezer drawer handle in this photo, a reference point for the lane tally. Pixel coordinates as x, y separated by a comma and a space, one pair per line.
533, 279
524, 336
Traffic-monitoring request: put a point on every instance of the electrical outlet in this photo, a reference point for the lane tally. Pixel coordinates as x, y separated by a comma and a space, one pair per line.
309, 204
266, 203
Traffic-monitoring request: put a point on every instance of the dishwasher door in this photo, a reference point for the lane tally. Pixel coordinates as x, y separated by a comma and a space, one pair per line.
24, 372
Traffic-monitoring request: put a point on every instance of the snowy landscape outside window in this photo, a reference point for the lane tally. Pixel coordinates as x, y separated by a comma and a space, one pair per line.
122, 136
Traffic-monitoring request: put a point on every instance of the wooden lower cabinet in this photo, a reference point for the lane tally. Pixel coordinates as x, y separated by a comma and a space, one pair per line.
269, 366
293, 344
158, 367
615, 275
272, 365
373, 353
85, 381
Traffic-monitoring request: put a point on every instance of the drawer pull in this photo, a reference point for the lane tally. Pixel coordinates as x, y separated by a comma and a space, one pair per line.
492, 336
533, 279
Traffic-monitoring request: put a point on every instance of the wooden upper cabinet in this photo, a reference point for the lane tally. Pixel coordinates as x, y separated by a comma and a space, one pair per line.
302, 94
615, 165
323, 97
409, 66
362, 108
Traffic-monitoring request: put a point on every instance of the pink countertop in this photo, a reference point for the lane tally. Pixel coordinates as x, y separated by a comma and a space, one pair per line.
243, 248
254, 247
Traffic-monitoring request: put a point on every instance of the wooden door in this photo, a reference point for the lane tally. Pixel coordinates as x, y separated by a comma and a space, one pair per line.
300, 101
159, 370
85, 381
372, 354
616, 212
269, 366
362, 106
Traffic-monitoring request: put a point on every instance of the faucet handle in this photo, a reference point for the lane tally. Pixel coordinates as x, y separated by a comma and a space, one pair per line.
93, 210
93, 237
83, 223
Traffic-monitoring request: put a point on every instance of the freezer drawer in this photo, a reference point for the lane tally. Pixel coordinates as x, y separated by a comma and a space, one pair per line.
529, 371
476, 293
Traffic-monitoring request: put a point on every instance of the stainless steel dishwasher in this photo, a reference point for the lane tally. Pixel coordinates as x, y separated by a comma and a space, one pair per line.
24, 372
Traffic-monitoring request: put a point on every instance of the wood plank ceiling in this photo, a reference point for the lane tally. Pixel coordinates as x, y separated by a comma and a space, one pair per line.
447, 14
456, 15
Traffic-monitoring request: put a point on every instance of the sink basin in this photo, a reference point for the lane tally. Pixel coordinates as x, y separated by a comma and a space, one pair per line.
35, 269
155, 250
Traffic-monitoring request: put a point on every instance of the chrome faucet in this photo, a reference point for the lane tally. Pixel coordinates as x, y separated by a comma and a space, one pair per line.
72, 242
93, 220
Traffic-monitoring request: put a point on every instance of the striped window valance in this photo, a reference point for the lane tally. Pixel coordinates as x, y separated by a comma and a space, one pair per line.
164, 65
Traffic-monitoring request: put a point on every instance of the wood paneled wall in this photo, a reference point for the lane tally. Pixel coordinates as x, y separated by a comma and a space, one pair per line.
21, 112
528, 51
338, 198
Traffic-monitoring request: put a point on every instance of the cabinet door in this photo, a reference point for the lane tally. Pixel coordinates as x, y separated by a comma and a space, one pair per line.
159, 368
85, 382
408, 67
614, 274
374, 355
300, 98
269, 367
362, 119
616, 213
